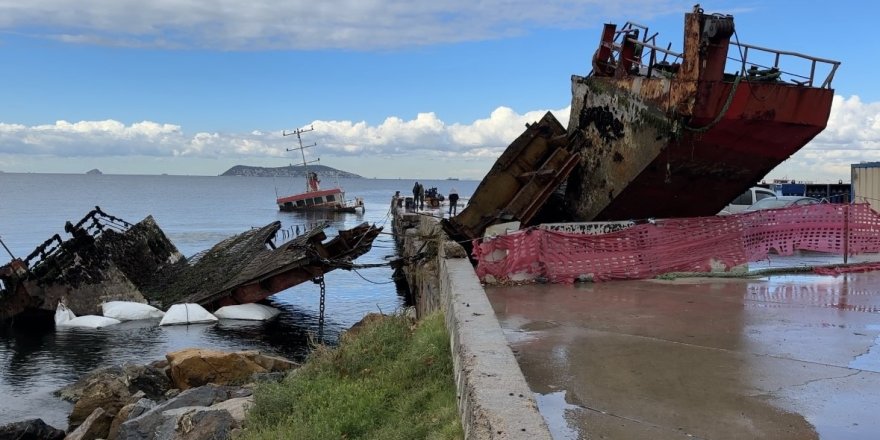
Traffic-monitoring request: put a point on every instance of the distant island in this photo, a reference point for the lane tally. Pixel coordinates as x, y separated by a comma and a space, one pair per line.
288, 171
94, 171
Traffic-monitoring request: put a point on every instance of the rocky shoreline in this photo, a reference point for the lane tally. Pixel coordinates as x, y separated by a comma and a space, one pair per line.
191, 394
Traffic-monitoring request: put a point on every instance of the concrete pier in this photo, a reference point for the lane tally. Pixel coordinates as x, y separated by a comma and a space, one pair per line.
494, 400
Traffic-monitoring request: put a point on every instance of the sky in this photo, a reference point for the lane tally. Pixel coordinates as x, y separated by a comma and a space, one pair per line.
392, 88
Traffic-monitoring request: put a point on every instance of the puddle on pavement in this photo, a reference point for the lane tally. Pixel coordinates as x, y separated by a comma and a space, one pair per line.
790, 337
536, 326
870, 360
554, 407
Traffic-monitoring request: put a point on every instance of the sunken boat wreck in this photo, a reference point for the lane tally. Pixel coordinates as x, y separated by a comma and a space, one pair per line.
108, 259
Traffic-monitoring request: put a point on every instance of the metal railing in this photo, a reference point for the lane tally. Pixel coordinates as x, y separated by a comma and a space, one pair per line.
647, 61
808, 81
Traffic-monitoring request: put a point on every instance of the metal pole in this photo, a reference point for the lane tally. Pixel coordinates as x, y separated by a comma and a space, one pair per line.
845, 233
7, 249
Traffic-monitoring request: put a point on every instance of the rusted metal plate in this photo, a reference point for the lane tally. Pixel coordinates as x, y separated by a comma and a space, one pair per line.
519, 182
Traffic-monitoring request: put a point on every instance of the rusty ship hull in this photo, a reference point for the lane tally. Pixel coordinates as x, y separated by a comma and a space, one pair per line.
683, 138
652, 166
655, 133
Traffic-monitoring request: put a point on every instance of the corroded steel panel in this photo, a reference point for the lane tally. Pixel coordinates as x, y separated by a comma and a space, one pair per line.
528, 170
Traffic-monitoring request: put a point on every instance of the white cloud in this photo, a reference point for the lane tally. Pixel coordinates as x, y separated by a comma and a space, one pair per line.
425, 134
301, 24
852, 136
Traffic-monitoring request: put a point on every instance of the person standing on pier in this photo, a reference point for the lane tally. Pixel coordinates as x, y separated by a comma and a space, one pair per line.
421, 197
453, 202
416, 190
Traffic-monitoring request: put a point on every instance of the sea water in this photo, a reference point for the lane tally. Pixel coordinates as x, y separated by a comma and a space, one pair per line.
195, 212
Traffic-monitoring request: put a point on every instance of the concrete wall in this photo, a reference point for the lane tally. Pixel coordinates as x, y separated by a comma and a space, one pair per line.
494, 400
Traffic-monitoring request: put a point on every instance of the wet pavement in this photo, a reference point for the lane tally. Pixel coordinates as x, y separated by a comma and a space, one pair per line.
781, 357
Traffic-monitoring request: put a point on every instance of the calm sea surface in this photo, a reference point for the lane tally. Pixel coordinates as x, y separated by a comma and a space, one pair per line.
195, 213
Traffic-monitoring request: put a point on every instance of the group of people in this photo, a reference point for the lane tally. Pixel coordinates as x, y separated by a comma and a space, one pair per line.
419, 198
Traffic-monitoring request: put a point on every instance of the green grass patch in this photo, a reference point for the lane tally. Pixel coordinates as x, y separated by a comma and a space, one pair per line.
388, 381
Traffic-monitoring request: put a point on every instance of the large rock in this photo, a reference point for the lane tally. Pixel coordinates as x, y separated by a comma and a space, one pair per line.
195, 367
150, 379
145, 425
109, 392
33, 429
153, 381
237, 407
95, 426
195, 423
368, 320
128, 412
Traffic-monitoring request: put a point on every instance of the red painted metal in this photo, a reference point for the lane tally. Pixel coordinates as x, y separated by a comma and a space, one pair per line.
309, 195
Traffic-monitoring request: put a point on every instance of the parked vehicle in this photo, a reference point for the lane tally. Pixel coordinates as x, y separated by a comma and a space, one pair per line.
747, 199
781, 202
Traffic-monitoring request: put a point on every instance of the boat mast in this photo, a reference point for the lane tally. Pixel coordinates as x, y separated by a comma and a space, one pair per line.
298, 132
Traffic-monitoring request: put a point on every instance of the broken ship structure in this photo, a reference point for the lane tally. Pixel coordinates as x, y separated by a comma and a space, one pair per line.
107, 258
655, 133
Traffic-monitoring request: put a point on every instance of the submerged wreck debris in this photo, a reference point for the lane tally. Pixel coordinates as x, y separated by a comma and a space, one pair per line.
108, 259
249, 267
663, 134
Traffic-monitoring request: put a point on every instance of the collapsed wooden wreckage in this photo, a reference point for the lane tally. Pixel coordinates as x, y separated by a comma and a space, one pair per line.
107, 258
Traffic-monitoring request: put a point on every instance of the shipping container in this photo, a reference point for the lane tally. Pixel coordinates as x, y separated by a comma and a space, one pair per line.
866, 183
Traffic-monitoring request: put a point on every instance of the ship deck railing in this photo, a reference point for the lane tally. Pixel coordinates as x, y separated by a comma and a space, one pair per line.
648, 61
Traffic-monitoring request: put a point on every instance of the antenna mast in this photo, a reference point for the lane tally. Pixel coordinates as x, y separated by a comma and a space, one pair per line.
298, 132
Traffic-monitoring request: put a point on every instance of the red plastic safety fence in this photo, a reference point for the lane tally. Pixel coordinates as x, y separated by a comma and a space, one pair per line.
699, 244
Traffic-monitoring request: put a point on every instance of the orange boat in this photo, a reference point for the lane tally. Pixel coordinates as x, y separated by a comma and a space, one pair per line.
314, 198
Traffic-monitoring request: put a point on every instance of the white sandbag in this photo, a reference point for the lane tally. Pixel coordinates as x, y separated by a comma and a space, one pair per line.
64, 317
187, 314
130, 311
91, 321
251, 312
63, 314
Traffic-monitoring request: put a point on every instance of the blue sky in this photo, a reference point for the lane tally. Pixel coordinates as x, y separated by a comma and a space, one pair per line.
393, 88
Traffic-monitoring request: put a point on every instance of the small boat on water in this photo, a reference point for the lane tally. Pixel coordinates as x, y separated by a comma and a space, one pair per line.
314, 198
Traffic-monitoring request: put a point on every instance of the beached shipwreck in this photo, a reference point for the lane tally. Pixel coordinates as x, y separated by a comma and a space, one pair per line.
106, 258
655, 133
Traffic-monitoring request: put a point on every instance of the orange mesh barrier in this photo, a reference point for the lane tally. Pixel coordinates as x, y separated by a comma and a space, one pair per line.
700, 244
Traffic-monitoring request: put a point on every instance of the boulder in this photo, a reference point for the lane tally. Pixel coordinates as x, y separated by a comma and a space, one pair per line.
147, 378
195, 367
145, 425
195, 423
108, 392
237, 408
95, 426
33, 429
369, 318
154, 382
127, 413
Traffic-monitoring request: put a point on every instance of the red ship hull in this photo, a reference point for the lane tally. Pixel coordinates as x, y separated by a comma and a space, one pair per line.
683, 139
697, 174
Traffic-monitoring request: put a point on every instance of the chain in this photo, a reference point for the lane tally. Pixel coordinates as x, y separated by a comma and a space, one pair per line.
320, 281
